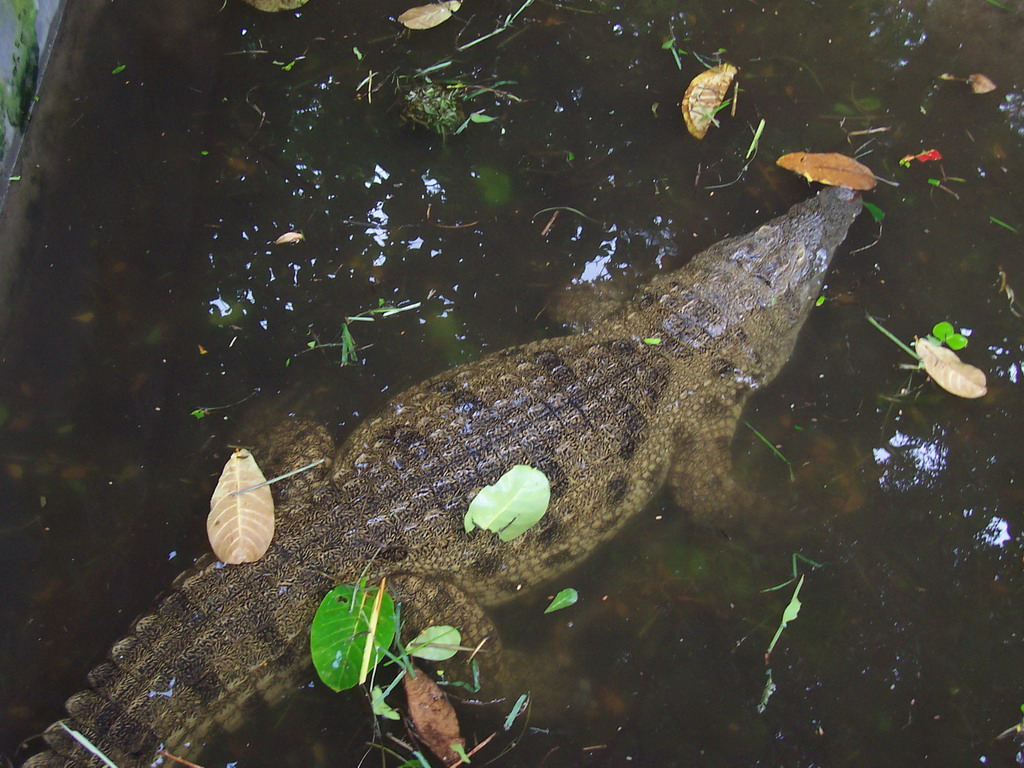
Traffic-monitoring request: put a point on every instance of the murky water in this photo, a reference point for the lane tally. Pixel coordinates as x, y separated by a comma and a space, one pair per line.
152, 289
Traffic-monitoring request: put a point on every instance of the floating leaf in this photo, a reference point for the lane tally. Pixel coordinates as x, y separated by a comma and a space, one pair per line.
517, 709
704, 97
429, 16
877, 214
949, 372
829, 168
512, 505
563, 599
241, 521
432, 716
272, 6
438, 643
340, 635
290, 237
980, 84
380, 707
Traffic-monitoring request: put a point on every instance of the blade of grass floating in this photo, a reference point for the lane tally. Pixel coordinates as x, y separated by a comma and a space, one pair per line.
889, 335
81, 739
778, 454
285, 476
371, 636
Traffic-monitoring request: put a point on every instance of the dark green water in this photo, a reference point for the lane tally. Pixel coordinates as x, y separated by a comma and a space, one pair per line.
169, 181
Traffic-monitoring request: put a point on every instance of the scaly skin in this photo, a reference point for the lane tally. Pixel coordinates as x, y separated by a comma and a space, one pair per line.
605, 415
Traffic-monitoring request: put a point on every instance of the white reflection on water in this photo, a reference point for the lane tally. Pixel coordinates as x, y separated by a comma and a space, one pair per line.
909, 461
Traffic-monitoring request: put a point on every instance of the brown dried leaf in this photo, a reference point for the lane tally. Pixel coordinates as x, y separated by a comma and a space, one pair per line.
704, 96
829, 168
980, 84
240, 525
272, 6
432, 715
290, 237
949, 372
429, 16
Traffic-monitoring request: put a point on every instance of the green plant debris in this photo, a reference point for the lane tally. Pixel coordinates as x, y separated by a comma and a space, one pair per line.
517, 709
475, 117
81, 739
349, 351
892, 337
819, 301
512, 505
434, 106
652, 341
789, 614
344, 640
771, 446
769, 689
944, 333
380, 707
118, 69
438, 643
876, 213
460, 750
1002, 224
563, 599
997, 4
796, 573
752, 149
509, 20
1013, 729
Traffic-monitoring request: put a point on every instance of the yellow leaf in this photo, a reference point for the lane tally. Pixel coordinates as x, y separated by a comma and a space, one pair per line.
272, 6
429, 16
240, 525
829, 168
949, 372
290, 237
704, 96
980, 84
85, 317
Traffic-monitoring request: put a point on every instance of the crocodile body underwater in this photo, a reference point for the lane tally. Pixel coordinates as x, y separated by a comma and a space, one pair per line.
606, 415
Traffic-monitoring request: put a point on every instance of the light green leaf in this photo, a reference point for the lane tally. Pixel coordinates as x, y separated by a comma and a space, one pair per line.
480, 117
788, 615
460, 750
435, 643
517, 709
941, 330
380, 707
563, 599
339, 636
512, 505
653, 341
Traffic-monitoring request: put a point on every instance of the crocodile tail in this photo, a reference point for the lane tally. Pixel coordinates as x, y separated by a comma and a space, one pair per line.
209, 646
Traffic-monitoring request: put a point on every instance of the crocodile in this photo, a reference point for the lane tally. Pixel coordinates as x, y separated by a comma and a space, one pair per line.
650, 394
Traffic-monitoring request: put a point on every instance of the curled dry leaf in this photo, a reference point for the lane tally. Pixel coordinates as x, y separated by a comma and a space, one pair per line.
432, 715
704, 96
949, 371
829, 168
240, 525
980, 84
290, 237
272, 6
429, 16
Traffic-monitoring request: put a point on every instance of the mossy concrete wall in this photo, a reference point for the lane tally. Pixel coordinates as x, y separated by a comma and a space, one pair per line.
26, 28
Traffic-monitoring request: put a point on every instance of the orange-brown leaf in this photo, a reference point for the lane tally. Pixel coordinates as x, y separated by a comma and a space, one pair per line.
829, 168
290, 238
704, 96
949, 371
429, 16
432, 715
980, 84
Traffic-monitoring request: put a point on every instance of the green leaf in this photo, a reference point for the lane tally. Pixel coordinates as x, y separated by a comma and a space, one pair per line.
428, 643
340, 633
563, 599
819, 301
460, 750
380, 707
199, 413
788, 615
118, 69
480, 117
956, 341
941, 330
517, 709
512, 505
653, 341
877, 214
